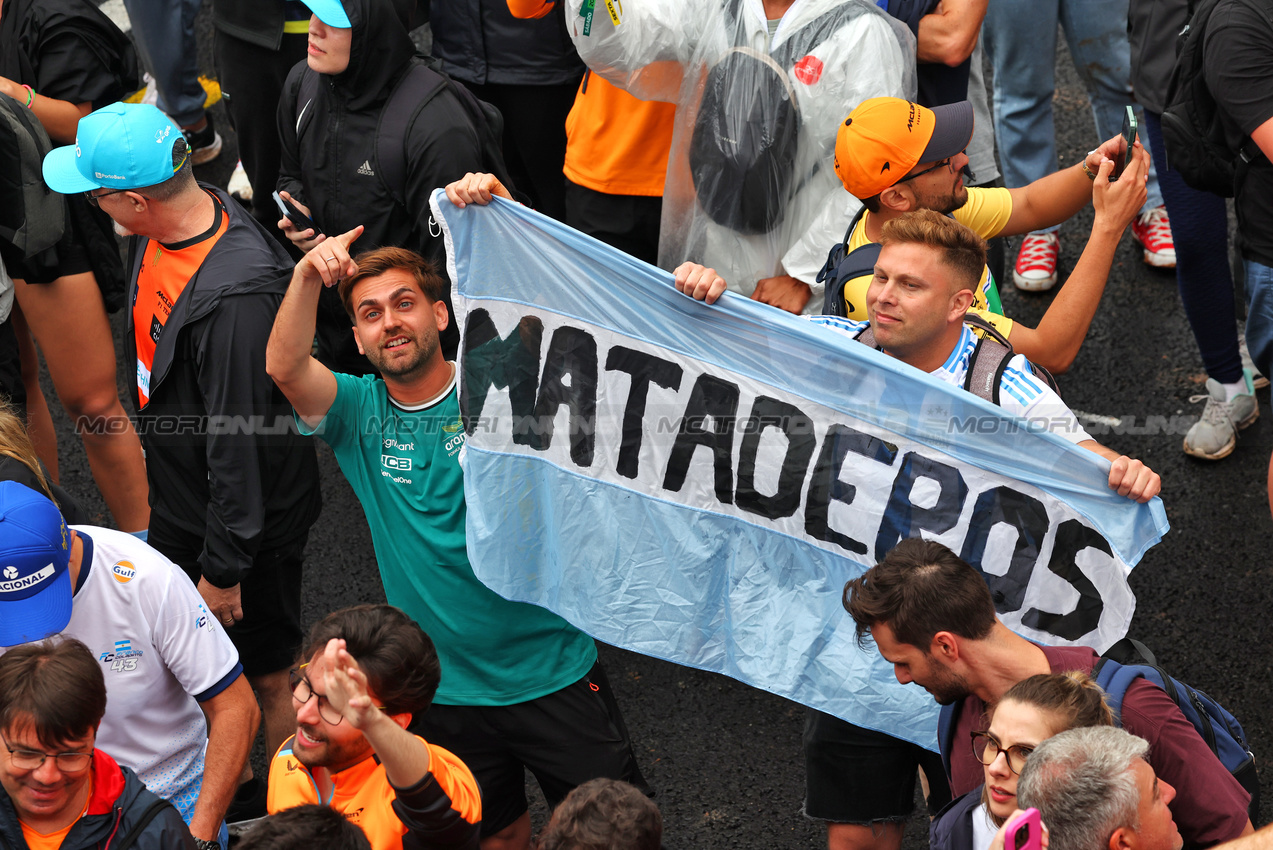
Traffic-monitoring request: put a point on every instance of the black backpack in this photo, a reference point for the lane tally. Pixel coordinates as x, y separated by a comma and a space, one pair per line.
1191, 127
842, 266
408, 99
32, 216
742, 152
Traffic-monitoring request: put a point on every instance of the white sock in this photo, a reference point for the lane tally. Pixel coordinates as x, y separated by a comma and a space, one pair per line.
1232, 391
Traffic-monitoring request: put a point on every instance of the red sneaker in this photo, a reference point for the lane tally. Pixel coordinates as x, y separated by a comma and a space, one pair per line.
1153, 231
1036, 264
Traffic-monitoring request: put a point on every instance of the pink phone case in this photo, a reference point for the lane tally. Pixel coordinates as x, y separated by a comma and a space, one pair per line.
1026, 832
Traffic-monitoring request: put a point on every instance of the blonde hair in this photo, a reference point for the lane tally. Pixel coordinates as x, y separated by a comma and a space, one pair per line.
15, 443
961, 249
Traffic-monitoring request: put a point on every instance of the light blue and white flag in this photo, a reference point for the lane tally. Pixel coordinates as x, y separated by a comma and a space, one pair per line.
697, 483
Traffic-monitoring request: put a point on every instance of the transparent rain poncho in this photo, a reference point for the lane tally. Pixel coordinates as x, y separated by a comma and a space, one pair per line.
751, 186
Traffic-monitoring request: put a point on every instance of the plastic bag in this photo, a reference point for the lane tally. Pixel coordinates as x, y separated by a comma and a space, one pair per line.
751, 189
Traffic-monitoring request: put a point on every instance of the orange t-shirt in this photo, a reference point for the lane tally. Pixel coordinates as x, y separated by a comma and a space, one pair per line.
362, 793
615, 143
53, 841
165, 272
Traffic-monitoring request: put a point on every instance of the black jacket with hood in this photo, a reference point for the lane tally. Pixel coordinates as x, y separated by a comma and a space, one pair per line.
332, 166
224, 459
479, 41
117, 801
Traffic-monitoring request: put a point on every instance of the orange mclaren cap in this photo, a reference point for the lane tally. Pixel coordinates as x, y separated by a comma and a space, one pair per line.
886, 137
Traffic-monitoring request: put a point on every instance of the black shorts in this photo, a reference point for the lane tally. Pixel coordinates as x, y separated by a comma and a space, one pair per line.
564, 738
856, 775
269, 636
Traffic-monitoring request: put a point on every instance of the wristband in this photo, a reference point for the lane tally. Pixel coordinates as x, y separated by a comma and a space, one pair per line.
30, 95
1091, 175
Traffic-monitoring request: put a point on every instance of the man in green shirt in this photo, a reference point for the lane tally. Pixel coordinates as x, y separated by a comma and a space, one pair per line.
511, 672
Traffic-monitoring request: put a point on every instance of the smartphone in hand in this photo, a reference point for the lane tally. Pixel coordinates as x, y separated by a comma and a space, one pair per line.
1025, 832
1128, 139
299, 220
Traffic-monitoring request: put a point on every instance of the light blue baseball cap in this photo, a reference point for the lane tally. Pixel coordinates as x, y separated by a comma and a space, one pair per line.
330, 12
121, 146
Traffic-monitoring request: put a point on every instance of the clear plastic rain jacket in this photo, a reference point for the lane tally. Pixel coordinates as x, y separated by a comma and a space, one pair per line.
835, 54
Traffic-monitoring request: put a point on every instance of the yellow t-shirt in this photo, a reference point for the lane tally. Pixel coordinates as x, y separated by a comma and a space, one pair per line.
985, 213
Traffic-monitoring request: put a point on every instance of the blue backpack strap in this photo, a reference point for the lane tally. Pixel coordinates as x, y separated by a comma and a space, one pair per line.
946, 722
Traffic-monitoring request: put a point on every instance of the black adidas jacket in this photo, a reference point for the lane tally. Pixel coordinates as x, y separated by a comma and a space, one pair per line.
225, 462
330, 164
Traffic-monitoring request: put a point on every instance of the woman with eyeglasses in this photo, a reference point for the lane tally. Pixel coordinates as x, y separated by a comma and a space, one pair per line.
1034, 710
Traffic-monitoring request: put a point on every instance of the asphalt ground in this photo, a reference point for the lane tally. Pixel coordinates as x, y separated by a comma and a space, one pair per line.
725, 758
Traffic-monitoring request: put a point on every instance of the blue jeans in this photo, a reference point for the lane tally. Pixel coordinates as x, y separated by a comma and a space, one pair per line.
1259, 315
165, 36
1020, 37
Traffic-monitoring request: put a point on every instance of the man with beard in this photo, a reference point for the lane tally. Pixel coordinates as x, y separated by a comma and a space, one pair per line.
896, 156
931, 615
368, 671
523, 688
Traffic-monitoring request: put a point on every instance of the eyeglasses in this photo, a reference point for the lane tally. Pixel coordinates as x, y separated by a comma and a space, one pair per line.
986, 748
31, 760
302, 690
93, 199
945, 163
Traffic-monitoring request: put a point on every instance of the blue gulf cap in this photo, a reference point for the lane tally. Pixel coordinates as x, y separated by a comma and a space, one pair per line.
330, 12
121, 146
35, 552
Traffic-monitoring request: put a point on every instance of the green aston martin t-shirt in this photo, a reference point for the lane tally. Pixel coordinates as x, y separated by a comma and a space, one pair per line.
403, 464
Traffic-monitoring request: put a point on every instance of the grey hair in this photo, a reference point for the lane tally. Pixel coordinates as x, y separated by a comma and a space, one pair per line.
1081, 782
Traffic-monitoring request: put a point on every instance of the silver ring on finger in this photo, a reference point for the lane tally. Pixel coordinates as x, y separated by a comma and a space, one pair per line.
329, 259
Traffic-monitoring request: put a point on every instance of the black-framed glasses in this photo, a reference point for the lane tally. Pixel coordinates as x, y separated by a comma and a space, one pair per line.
302, 690
93, 199
987, 748
32, 759
945, 163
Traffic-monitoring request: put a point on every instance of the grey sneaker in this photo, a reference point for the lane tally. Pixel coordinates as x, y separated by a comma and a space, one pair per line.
1257, 380
1215, 434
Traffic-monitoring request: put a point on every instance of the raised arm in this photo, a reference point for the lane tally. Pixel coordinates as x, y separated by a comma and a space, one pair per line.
1053, 199
439, 804
1056, 341
309, 385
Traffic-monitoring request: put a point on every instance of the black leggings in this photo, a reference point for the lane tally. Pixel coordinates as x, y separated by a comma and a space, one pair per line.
1200, 229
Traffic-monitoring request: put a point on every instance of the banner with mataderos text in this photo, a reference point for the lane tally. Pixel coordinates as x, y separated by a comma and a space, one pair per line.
697, 483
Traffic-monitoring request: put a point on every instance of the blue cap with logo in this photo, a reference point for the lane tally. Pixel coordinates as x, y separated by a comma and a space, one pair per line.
330, 12
35, 551
121, 146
